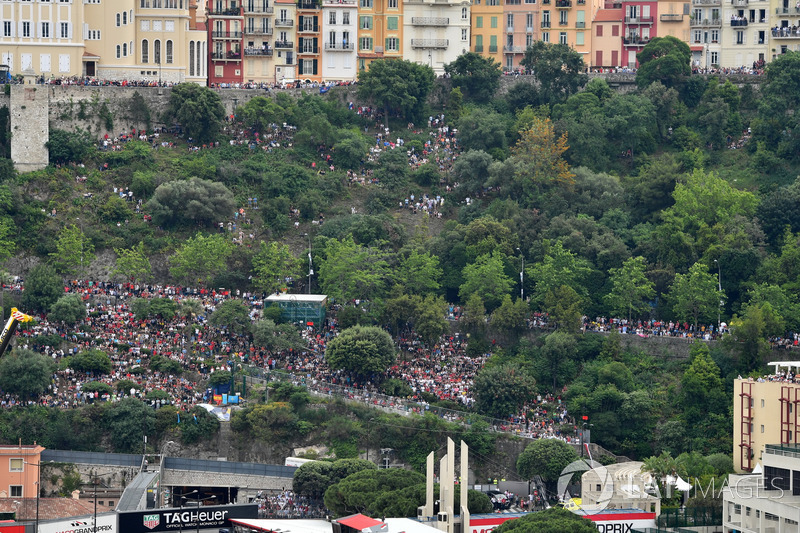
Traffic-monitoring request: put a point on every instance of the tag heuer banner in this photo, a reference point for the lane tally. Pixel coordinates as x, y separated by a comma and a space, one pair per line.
184, 518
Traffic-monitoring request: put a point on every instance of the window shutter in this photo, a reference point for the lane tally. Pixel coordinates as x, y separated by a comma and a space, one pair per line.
316, 24
300, 23
299, 44
386, 44
315, 66
315, 45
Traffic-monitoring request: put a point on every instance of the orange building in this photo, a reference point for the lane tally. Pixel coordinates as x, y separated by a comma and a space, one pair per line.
487, 29
606, 39
19, 470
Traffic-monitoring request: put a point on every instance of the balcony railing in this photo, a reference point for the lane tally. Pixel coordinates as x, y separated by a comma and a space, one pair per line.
742, 22
307, 5
786, 33
339, 47
479, 48
528, 29
635, 41
226, 35
671, 17
226, 56
230, 12
706, 22
513, 49
308, 29
492, 48
258, 52
563, 4
430, 21
787, 11
638, 20
284, 44
259, 10
545, 24
429, 43
509, 29
284, 23
258, 31
563, 23
340, 2
580, 24
739, 3
306, 51
707, 2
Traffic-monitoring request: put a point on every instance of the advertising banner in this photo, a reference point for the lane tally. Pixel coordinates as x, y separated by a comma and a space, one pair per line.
184, 518
106, 523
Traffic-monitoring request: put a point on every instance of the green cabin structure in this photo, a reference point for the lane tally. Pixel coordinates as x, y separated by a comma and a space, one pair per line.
307, 309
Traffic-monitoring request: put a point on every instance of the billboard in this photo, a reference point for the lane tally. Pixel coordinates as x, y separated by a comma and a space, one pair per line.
106, 523
177, 519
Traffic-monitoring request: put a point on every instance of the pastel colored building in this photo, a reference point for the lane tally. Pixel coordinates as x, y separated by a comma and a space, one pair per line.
607, 39
521, 22
340, 27
225, 21
309, 41
745, 33
487, 28
380, 31
706, 26
673, 19
19, 470
640, 25
435, 33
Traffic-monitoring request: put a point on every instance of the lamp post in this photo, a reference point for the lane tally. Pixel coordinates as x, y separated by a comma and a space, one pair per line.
199, 501
38, 490
310, 265
522, 277
719, 288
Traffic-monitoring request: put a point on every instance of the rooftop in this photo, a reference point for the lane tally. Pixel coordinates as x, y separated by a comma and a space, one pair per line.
609, 15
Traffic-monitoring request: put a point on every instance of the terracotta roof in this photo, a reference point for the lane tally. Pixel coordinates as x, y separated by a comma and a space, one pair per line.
49, 508
609, 15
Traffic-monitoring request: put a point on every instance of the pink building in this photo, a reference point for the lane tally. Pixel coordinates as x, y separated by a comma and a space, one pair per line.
519, 19
639, 26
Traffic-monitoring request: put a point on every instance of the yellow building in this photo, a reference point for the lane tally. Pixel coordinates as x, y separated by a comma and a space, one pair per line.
487, 29
673, 19
125, 39
380, 30
764, 412
571, 23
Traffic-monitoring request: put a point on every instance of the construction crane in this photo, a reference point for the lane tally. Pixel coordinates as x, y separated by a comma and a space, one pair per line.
16, 317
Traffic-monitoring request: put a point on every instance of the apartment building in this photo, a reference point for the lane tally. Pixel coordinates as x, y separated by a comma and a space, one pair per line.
435, 33
225, 22
285, 59
257, 32
487, 28
745, 30
607, 39
705, 22
309, 42
340, 22
521, 23
784, 28
673, 19
380, 31
19, 470
640, 25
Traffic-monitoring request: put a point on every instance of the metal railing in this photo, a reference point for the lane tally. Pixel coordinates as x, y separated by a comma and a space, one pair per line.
258, 31
284, 23
706, 22
257, 52
259, 10
429, 43
226, 35
563, 3
514, 49
229, 56
638, 20
787, 10
230, 12
344, 47
284, 44
430, 21
707, 2
671, 17
742, 22
545, 24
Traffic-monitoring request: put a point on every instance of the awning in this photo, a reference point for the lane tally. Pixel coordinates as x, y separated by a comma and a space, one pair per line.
284, 526
359, 522
696, 48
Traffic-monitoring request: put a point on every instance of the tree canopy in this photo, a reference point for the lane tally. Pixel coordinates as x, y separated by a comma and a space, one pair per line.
399, 86
362, 350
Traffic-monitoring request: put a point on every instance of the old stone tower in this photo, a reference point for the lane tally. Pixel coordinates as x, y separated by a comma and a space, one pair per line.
29, 124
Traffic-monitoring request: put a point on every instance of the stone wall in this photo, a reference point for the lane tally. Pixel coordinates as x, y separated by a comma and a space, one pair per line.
29, 127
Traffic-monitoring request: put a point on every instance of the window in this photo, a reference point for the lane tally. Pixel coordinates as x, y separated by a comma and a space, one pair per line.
510, 21
545, 36
118, 19
16, 465
64, 30
346, 18
562, 37
392, 44
545, 20
697, 36
124, 18
739, 37
6, 28
365, 22
714, 36
464, 34
169, 51
169, 25
599, 30
45, 30
479, 43
16, 491
392, 4
365, 43
464, 13
391, 23
479, 22
367, 4
26, 29
615, 30
156, 25
563, 19
332, 18
125, 50
145, 25
529, 22
157, 51
579, 38
528, 40
146, 51
493, 22
493, 44
714, 58
762, 402
762, 428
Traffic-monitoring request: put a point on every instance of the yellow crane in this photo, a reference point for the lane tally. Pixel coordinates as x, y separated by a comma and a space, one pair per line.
16, 317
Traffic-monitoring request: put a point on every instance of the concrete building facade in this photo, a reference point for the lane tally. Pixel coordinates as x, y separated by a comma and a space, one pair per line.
745, 32
487, 28
435, 32
340, 27
641, 24
521, 23
607, 39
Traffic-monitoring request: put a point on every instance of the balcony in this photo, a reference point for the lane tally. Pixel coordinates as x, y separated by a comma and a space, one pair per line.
739, 3
546, 2
259, 10
635, 41
787, 11
707, 2
284, 44
563, 23
429, 43
671, 17
307, 5
308, 29
228, 12
509, 29
705, 22
513, 49
339, 47
284, 23
226, 56
638, 20
492, 48
545, 24
786, 33
563, 4
528, 29
226, 35
258, 31
430, 21
742, 22
258, 52
580, 24
340, 2
312, 50
478, 48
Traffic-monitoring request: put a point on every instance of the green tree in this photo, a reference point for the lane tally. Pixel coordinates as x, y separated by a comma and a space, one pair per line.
501, 391
665, 59
74, 251
400, 87
259, 112
558, 267
546, 458
558, 68
273, 264
539, 162
482, 129
375, 492
392, 169
43, 287
350, 149
7, 244
419, 273
133, 264
128, 421
777, 123
351, 271
552, 520
487, 277
630, 288
510, 316
200, 257
92, 360
68, 146
276, 337
702, 390
25, 373
312, 479
198, 109
233, 315
477, 76
695, 295
362, 350
162, 307
190, 202
69, 310
750, 333
558, 350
